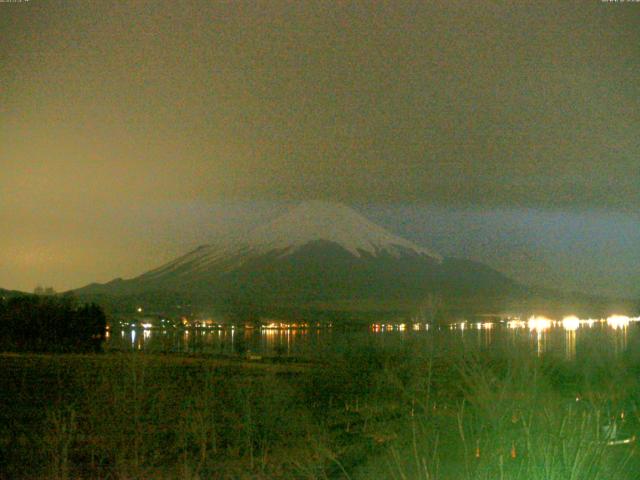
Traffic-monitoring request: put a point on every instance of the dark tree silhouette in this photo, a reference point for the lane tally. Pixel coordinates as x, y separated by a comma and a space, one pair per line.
50, 324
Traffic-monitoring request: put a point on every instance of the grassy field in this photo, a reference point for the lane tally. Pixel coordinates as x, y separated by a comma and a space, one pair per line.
434, 411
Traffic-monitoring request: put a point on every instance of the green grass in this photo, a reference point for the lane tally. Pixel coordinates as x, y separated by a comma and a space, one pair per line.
434, 410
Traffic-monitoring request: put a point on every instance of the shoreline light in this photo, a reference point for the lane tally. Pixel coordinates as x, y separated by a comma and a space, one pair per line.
571, 323
618, 321
516, 324
539, 324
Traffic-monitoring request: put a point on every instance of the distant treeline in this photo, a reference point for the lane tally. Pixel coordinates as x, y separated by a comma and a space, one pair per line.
37, 323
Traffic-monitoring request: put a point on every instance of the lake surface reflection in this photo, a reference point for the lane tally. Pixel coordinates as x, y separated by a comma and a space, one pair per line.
569, 338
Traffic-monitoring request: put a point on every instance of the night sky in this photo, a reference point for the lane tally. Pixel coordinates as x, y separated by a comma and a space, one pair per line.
508, 133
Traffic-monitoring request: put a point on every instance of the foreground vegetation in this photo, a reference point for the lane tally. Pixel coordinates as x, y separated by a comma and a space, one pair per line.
428, 410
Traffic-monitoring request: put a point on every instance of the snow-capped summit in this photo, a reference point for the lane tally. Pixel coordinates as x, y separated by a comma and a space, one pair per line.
331, 222
307, 223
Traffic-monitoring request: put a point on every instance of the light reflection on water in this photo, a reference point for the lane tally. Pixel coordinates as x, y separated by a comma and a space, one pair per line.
570, 344
539, 336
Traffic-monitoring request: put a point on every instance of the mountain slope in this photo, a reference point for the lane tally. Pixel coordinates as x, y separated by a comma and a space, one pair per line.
5, 294
317, 252
302, 225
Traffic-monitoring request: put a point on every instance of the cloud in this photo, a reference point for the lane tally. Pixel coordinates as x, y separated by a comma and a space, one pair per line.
460, 104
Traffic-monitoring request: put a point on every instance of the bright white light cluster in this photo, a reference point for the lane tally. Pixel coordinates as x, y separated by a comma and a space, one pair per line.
539, 324
571, 323
618, 321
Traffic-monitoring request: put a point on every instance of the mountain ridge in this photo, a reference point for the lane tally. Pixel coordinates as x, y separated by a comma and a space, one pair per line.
307, 222
315, 252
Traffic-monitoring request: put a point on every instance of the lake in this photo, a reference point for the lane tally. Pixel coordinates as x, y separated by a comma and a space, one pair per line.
570, 338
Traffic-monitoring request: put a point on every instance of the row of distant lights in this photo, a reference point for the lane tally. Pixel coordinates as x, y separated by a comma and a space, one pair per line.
572, 323
535, 323
382, 327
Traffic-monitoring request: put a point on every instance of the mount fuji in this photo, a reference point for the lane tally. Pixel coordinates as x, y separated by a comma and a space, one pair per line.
318, 255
